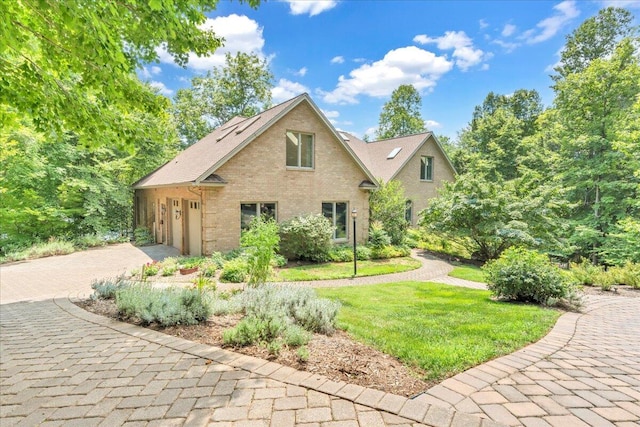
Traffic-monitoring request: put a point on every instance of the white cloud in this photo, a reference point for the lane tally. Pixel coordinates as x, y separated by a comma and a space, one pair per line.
507, 46
147, 73
332, 114
286, 89
431, 124
301, 72
549, 27
465, 54
161, 88
628, 4
483, 24
310, 7
405, 65
337, 60
241, 34
508, 30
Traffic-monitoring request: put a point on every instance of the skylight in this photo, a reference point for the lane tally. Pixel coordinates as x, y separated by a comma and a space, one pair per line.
344, 136
226, 132
247, 124
394, 153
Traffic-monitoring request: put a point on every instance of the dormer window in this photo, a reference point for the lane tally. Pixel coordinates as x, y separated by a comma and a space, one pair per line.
299, 150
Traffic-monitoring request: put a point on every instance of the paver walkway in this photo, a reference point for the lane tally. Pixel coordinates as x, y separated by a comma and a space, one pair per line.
61, 365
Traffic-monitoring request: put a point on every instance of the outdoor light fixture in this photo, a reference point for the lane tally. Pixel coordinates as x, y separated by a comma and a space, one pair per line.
354, 215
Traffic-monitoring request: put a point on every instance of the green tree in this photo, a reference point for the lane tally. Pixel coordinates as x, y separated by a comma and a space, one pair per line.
401, 116
241, 88
596, 160
596, 38
488, 216
493, 142
387, 205
66, 63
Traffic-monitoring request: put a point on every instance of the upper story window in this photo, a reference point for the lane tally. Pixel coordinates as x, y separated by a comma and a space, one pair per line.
426, 168
248, 211
299, 150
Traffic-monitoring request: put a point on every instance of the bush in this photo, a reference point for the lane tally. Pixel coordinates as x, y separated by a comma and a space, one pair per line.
169, 270
217, 259
363, 253
605, 280
151, 268
306, 237
279, 261
524, 275
386, 252
629, 274
584, 272
107, 288
378, 238
142, 236
89, 241
235, 271
166, 307
341, 254
208, 269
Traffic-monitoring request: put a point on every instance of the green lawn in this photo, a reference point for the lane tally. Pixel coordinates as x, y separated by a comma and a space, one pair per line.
343, 270
468, 272
440, 328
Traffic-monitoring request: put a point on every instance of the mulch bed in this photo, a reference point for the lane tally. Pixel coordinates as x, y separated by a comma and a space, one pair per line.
337, 357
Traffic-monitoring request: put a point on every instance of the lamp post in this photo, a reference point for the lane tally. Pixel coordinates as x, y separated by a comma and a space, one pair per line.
354, 215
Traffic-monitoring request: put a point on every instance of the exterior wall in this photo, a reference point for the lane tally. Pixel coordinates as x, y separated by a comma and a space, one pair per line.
160, 221
258, 174
419, 192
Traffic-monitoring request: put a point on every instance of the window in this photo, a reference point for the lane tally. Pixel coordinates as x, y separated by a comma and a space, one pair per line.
408, 211
299, 150
248, 211
426, 168
336, 212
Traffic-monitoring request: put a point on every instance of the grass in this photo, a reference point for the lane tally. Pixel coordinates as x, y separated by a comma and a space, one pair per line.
343, 270
468, 272
439, 328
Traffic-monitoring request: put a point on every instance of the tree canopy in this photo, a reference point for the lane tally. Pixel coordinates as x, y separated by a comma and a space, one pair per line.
66, 63
401, 116
242, 87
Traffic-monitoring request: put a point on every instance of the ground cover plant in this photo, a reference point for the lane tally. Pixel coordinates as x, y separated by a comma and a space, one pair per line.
55, 246
438, 328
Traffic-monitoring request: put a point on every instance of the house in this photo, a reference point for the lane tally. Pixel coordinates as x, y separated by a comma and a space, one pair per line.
284, 162
418, 161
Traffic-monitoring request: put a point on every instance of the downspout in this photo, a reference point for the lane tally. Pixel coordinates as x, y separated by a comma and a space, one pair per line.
201, 216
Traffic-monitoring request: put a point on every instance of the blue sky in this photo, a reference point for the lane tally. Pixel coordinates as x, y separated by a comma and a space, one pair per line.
350, 55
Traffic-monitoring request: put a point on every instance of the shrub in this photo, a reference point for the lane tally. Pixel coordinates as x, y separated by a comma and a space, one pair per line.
142, 236
386, 252
208, 269
295, 336
169, 270
363, 253
89, 241
167, 307
151, 268
303, 354
279, 261
107, 288
628, 274
388, 205
341, 254
378, 238
261, 242
235, 271
605, 280
253, 329
306, 237
217, 259
524, 275
203, 283
584, 272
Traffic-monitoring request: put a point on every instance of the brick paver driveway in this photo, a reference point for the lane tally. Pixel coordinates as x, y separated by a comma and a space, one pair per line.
63, 366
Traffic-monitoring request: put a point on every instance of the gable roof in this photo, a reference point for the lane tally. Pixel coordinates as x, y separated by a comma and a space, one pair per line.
387, 157
196, 164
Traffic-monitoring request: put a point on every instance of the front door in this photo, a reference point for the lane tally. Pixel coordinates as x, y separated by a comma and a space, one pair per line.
176, 224
194, 228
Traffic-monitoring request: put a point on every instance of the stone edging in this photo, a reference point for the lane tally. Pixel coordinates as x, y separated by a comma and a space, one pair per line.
420, 408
